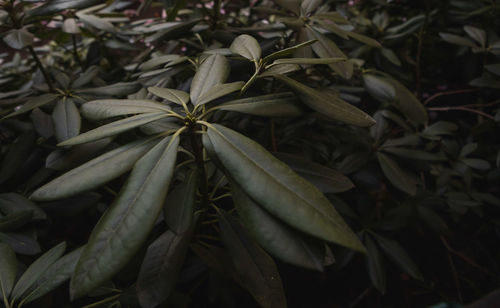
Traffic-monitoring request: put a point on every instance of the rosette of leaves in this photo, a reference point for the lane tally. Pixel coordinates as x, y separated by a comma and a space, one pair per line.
278, 209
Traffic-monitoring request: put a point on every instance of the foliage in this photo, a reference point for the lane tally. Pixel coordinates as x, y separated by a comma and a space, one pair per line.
180, 146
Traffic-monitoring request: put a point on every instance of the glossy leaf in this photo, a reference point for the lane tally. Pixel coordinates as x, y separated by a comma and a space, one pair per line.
257, 270
247, 47
108, 108
67, 120
36, 269
125, 226
33, 103
213, 71
271, 105
180, 204
277, 188
175, 96
8, 270
274, 236
329, 105
397, 176
114, 128
95, 172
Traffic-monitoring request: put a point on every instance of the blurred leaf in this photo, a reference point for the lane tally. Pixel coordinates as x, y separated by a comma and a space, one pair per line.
457, 40
54, 6
17, 154
18, 38
96, 22
21, 243
375, 264
477, 34
291, 5
396, 175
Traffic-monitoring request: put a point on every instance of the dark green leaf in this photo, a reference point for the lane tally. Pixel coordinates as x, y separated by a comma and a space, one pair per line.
18, 38
117, 89
271, 105
8, 269
375, 264
179, 205
219, 90
124, 227
15, 220
11, 203
67, 120
397, 176
17, 154
457, 40
247, 47
54, 6
108, 108
479, 35
291, 5
176, 96
22, 243
33, 103
287, 51
213, 71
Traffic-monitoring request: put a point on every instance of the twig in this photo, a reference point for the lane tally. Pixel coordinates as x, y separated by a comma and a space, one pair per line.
42, 69
75, 52
433, 97
464, 258
361, 296
455, 277
463, 109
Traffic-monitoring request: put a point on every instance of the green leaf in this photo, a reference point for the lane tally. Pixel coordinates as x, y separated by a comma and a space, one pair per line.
175, 96
55, 275
415, 154
379, 88
8, 270
117, 89
18, 38
94, 173
277, 188
457, 40
306, 61
271, 105
325, 179
17, 154
161, 267
309, 6
397, 176
114, 128
247, 47
364, 39
281, 69
11, 203
124, 227
108, 108
86, 77
66, 120
479, 35
21, 242
96, 22
275, 237
326, 48
291, 5
287, 51
157, 61
329, 105
180, 204
33, 103
256, 268
375, 264
213, 71
391, 56
475, 163
36, 269
394, 250
440, 128
219, 90
175, 30
54, 6
70, 26
15, 220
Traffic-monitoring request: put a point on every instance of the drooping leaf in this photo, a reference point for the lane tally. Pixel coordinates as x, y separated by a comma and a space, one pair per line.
114, 128
219, 90
107, 108
364, 39
306, 61
8, 270
176, 96
67, 120
271, 105
379, 88
179, 205
94, 173
213, 71
55, 275
329, 105
375, 264
277, 188
397, 176
247, 47
256, 268
33, 103
125, 226
36, 269
161, 267
274, 236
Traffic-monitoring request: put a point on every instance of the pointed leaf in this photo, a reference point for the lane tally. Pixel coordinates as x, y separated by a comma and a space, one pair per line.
175, 96
457, 40
114, 128
291, 5
108, 108
54, 6
287, 51
309, 6
213, 71
161, 267
67, 120
15, 220
8, 269
36, 269
277, 188
256, 268
479, 35
306, 61
126, 224
329, 105
96, 22
247, 47
218, 91
379, 88
375, 264
271, 105
21, 242
396, 175
33, 103
94, 173
117, 89
179, 208
364, 39
273, 235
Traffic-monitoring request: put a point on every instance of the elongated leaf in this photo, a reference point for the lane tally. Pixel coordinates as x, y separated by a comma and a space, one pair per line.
291, 5
179, 208
107, 108
96, 22
55, 6
157, 61
277, 188
21, 242
11, 203
329, 105
416, 154
256, 268
114, 128
479, 35
117, 89
36, 269
33, 103
311, 61
55, 275
15, 220
213, 71
390, 55
247, 47
399, 256
161, 267
218, 91
8, 269
94, 173
67, 120
379, 88
287, 51
271, 105
396, 175
457, 40
364, 39
126, 225
175, 30
375, 264
325, 179
86, 76
309, 6
176, 96
326, 48
274, 236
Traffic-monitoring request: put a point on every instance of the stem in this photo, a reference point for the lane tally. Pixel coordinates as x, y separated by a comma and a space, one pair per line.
216, 14
463, 109
42, 69
111, 298
433, 97
198, 154
75, 52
